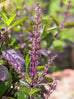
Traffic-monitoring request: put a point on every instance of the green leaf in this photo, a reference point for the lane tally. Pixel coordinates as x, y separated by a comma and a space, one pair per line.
23, 83
25, 90
18, 22
12, 42
22, 95
40, 68
1, 26
8, 22
27, 61
49, 38
2, 1
10, 80
55, 20
28, 78
52, 28
4, 17
2, 88
43, 32
32, 91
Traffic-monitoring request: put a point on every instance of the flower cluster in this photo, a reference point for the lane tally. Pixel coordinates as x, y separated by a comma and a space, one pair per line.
35, 46
65, 18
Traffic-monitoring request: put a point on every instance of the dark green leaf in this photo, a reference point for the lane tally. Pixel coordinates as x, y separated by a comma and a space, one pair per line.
2, 88
21, 95
10, 80
49, 38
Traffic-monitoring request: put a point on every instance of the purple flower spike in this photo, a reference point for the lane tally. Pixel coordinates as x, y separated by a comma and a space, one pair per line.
52, 87
35, 46
66, 14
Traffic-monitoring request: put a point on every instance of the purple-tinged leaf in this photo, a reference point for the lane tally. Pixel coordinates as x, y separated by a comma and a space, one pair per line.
14, 57
4, 74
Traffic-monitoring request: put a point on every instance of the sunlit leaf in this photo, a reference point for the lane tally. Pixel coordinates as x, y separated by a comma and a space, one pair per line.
40, 68
52, 28
55, 20
8, 22
2, 1
18, 22
4, 17
32, 91
27, 61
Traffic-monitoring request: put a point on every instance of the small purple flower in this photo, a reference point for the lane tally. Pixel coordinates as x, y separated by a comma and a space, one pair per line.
66, 14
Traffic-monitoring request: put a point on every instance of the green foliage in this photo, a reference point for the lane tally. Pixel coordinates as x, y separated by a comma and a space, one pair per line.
27, 61
2, 1
40, 68
28, 78
10, 80
2, 88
